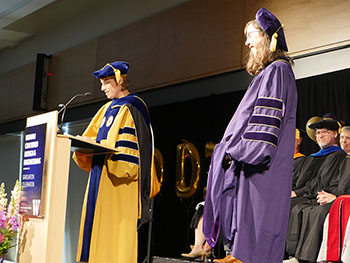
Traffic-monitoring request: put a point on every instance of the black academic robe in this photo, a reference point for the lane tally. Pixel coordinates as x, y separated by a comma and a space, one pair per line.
307, 216
307, 169
324, 175
344, 181
298, 164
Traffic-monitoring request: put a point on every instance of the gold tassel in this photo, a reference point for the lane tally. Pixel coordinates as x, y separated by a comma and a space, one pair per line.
273, 43
297, 134
117, 75
339, 129
116, 72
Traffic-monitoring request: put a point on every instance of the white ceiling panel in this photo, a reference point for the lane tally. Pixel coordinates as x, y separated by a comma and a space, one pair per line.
10, 12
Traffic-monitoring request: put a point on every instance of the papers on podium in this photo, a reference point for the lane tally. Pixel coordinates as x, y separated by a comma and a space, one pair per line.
81, 145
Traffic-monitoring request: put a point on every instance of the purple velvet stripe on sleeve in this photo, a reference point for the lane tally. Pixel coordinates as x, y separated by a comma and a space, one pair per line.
261, 136
270, 103
265, 120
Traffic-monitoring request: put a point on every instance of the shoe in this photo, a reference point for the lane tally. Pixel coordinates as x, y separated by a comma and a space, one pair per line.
228, 259
223, 260
207, 253
194, 255
291, 260
234, 260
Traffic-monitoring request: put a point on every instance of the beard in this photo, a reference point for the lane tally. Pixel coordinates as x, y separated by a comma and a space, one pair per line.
325, 144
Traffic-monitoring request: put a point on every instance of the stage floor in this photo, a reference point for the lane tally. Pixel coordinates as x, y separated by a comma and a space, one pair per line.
156, 259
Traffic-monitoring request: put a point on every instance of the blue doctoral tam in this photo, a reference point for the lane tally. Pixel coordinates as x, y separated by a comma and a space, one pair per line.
270, 24
112, 69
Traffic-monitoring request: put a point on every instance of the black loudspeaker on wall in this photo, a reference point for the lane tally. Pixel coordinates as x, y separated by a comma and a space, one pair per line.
41, 80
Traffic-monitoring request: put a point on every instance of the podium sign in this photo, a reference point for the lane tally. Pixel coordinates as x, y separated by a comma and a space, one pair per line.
32, 171
41, 237
42, 234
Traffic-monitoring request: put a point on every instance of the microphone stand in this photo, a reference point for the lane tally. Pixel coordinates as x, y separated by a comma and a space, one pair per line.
64, 108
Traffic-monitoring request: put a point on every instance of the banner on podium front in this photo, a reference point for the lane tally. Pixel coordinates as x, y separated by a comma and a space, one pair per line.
32, 170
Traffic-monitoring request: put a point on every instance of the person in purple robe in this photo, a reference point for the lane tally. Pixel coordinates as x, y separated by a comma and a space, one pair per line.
250, 177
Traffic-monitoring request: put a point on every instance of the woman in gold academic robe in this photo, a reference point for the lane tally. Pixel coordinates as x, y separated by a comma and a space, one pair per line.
120, 184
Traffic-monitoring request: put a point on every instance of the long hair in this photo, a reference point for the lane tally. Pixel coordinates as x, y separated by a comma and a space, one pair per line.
263, 55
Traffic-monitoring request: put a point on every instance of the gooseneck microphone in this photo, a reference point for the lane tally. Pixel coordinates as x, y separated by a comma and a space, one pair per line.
64, 108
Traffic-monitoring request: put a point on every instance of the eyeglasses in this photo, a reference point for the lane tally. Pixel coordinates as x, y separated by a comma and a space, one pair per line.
321, 132
249, 34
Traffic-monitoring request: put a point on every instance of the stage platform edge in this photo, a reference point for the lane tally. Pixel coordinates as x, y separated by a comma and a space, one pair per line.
157, 259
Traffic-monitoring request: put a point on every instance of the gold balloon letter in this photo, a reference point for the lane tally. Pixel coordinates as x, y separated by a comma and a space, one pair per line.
208, 149
311, 132
159, 163
187, 150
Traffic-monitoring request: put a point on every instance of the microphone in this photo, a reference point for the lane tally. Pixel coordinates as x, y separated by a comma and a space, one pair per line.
64, 108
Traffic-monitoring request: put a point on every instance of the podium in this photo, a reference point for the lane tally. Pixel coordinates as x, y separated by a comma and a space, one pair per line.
42, 234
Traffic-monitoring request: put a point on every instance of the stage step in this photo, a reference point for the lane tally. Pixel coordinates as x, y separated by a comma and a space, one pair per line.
177, 260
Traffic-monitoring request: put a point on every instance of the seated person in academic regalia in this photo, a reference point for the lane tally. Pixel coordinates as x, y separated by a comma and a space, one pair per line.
299, 158
311, 203
336, 232
337, 223
344, 178
200, 247
305, 167
345, 139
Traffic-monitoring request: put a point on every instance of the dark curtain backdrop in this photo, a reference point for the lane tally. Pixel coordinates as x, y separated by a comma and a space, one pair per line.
197, 121
201, 120
322, 94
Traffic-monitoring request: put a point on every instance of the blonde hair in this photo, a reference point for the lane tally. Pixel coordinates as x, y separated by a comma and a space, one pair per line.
345, 129
263, 55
